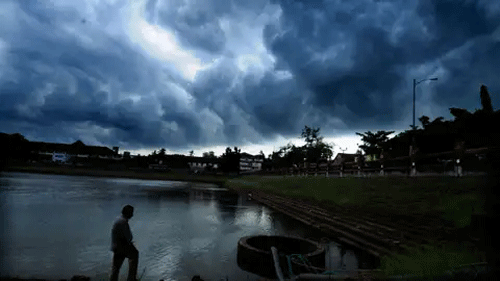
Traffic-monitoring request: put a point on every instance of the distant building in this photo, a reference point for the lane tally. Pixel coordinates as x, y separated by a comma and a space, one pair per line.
344, 158
199, 164
250, 163
60, 158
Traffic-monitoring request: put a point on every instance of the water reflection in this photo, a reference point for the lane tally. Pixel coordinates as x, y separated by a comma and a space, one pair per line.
59, 226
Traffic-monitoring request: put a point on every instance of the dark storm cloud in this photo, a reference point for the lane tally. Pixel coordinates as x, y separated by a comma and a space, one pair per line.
59, 88
266, 68
197, 21
377, 59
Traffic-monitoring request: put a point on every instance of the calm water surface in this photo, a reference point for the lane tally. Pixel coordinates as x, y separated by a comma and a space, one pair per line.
58, 226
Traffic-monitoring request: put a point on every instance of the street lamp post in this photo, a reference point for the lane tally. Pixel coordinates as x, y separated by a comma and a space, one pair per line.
415, 83
413, 167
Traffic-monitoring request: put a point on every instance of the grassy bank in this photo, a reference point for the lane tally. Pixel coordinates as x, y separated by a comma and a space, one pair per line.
430, 260
453, 199
148, 175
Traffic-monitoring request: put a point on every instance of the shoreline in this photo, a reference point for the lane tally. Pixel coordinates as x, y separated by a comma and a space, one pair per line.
130, 174
288, 187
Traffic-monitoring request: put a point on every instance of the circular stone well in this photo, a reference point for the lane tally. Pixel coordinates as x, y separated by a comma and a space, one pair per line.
254, 254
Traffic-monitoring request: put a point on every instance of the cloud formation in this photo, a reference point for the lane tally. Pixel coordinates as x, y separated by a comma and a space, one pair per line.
182, 73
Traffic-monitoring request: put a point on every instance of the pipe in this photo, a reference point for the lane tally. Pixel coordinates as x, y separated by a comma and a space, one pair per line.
279, 273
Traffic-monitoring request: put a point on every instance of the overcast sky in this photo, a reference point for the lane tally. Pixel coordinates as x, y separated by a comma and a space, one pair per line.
206, 74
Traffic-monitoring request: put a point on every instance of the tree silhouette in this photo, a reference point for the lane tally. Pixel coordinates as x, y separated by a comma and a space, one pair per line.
315, 149
231, 160
262, 155
424, 120
374, 142
311, 135
209, 154
14, 147
487, 107
460, 113
475, 128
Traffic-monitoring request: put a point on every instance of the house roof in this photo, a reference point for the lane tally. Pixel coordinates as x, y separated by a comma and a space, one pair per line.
203, 159
248, 155
347, 157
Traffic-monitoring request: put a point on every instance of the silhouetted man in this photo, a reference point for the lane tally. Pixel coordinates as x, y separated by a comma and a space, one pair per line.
122, 246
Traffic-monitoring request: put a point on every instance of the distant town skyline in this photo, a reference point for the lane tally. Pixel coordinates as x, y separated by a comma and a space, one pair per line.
348, 144
203, 75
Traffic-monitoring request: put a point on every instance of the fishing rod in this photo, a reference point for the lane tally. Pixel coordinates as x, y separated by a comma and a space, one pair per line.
140, 278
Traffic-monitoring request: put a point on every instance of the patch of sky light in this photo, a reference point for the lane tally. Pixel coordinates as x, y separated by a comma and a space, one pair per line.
161, 43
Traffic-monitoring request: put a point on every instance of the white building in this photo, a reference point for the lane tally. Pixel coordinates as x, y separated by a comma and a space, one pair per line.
250, 163
202, 163
60, 157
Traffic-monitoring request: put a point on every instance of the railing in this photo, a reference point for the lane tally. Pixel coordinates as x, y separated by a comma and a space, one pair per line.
456, 163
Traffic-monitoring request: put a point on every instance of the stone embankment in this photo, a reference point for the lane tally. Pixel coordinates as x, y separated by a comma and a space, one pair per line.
374, 232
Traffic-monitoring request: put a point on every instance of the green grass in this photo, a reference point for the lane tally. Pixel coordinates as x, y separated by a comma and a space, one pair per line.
430, 260
454, 199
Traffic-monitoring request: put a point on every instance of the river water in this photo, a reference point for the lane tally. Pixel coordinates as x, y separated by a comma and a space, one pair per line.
56, 226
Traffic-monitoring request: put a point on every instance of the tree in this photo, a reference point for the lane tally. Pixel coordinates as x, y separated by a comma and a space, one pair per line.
14, 147
374, 142
475, 128
311, 136
209, 154
231, 160
291, 154
326, 150
424, 120
315, 149
437, 136
487, 107
460, 113
162, 152
191, 153
262, 155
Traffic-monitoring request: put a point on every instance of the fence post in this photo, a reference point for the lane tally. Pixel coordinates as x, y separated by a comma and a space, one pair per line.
413, 168
458, 168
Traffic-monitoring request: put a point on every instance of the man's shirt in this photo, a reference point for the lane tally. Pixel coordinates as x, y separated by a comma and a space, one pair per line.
121, 236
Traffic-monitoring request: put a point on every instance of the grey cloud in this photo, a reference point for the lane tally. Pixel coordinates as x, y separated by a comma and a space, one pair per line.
77, 98
348, 62
378, 63
197, 21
